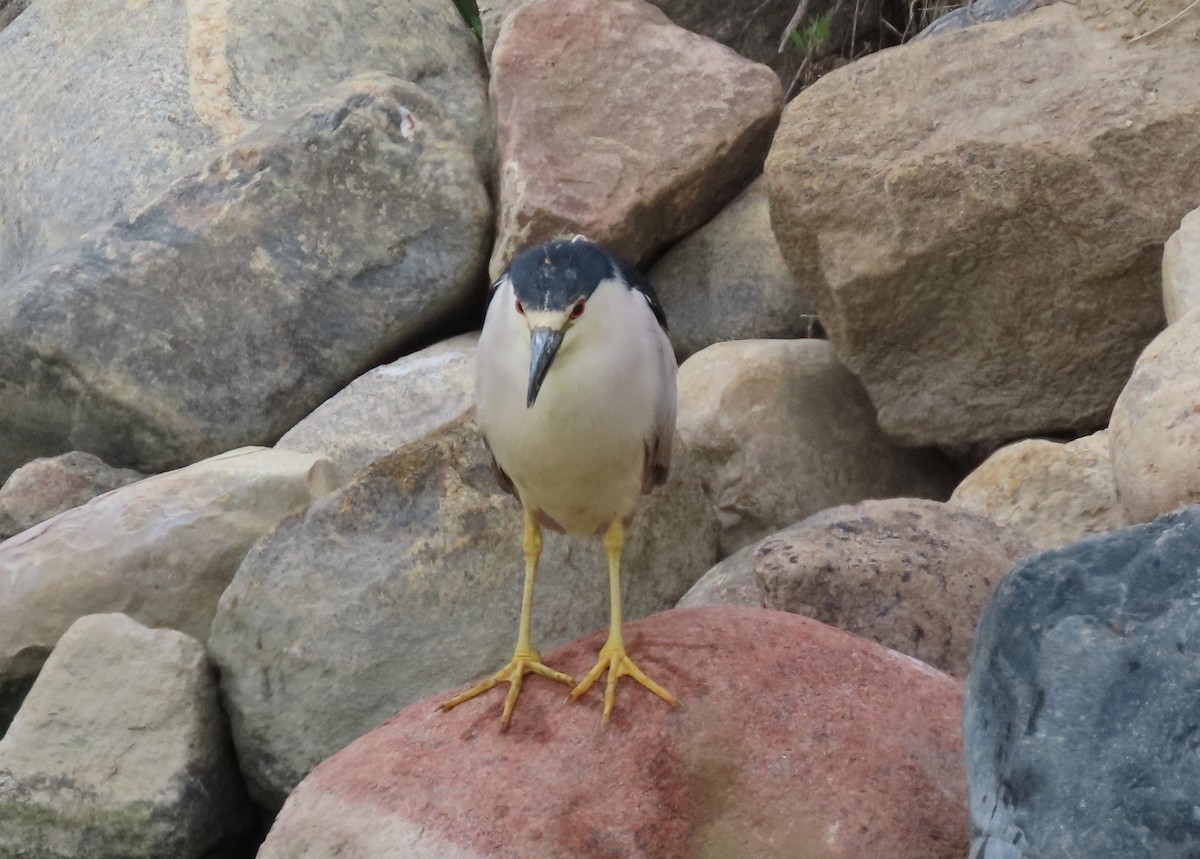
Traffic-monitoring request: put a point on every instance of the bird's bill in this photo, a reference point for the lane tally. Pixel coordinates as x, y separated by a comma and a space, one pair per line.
543, 346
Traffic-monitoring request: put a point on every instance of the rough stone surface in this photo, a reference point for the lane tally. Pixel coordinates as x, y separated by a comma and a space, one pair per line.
613, 122
120, 750
1155, 429
731, 582
979, 12
390, 406
1080, 713
987, 260
10, 9
105, 103
161, 550
232, 305
1053, 493
911, 574
728, 281
407, 582
45, 487
783, 430
792, 740
1181, 269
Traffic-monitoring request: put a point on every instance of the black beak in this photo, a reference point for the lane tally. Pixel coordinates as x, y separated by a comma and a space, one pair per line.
543, 346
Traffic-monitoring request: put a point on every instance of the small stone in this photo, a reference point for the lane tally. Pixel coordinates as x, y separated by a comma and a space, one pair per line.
45, 487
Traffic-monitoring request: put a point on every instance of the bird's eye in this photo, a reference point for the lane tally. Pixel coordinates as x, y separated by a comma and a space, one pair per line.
577, 310
520, 307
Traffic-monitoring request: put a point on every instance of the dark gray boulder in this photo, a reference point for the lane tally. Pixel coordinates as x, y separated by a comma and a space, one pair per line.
1082, 710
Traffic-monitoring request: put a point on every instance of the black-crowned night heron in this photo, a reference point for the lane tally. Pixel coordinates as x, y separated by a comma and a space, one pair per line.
575, 393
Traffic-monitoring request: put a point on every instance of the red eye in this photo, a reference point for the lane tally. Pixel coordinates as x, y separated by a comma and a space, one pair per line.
520, 307
577, 310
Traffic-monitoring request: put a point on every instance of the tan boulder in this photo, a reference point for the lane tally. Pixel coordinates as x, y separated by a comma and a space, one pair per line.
1181, 269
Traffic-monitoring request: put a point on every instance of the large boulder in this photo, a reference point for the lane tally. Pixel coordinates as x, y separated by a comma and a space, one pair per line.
911, 574
407, 582
46, 487
161, 550
728, 281
1053, 493
731, 582
792, 740
102, 105
121, 750
234, 303
980, 218
783, 431
613, 122
1155, 429
1181, 269
1080, 713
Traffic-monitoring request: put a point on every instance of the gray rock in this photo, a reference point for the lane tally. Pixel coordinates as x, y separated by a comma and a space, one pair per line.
1181, 269
988, 261
10, 9
910, 574
161, 550
103, 105
728, 281
731, 582
45, 487
120, 750
390, 406
1080, 716
979, 12
407, 582
782, 431
234, 302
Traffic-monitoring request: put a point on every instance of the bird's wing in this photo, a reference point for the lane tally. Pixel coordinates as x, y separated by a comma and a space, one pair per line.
501, 475
657, 463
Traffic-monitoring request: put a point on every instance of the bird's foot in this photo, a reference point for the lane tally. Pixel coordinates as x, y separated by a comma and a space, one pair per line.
617, 663
527, 662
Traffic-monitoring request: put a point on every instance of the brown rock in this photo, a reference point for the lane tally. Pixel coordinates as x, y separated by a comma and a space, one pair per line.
615, 123
45, 487
911, 574
987, 261
792, 740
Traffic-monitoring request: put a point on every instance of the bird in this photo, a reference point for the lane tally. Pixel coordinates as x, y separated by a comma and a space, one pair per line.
575, 390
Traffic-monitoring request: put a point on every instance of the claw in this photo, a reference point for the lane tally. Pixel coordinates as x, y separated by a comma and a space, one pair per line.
617, 663
513, 674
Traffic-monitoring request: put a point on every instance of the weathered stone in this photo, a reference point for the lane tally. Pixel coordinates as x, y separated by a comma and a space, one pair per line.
911, 574
390, 406
613, 122
45, 487
1080, 712
10, 9
406, 582
120, 750
103, 104
161, 550
728, 281
792, 740
1052, 493
987, 261
731, 582
1155, 429
234, 303
1181, 269
782, 430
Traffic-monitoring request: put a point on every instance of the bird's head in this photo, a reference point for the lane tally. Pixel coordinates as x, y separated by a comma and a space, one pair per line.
550, 289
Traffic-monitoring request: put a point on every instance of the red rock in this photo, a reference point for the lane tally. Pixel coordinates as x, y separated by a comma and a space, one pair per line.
614, 122
793, 739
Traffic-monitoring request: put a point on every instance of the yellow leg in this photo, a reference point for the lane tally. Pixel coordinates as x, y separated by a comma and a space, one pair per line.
525, 659
613, 657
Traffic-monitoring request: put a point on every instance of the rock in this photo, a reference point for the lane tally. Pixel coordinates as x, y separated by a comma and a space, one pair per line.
672, 126
1080, 709
793, 740
407, 582
1181, 269
731, 582
161, 550
10, 9
979, 12
1155, 429
45, 487
231, 305
782, 431
105, 104
727, 281
390, 406
1052, 493
987, 261
911, 574
120, 750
